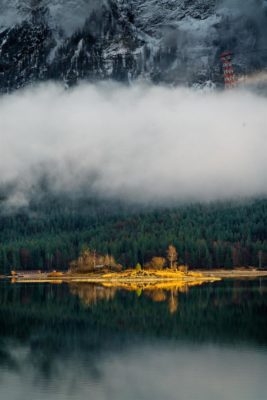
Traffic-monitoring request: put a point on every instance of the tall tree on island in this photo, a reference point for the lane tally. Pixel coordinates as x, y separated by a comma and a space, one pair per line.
172, 256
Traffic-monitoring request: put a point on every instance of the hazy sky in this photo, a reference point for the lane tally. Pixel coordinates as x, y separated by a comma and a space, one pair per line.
142, 143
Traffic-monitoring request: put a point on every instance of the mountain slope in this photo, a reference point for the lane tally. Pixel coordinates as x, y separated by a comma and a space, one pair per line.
169, 41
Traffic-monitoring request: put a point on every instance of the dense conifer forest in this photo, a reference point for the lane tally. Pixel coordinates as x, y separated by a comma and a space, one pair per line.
50, 234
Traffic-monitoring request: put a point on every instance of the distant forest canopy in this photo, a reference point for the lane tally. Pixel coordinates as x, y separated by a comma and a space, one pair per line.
53, 232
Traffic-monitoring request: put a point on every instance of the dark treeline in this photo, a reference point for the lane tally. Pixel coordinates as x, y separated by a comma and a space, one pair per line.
51, 234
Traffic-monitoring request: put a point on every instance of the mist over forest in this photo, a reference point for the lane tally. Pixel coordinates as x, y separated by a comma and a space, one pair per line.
141, 144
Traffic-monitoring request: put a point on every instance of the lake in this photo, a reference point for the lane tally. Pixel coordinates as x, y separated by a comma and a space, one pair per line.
83, 341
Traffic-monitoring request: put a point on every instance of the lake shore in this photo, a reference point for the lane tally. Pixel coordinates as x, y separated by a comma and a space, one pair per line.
235, 273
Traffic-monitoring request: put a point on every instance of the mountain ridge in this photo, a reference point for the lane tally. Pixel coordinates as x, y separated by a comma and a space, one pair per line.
171, 41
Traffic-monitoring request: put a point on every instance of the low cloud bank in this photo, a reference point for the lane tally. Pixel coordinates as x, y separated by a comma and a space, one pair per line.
143, 144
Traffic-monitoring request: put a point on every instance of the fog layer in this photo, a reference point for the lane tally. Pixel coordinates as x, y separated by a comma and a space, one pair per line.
141, 143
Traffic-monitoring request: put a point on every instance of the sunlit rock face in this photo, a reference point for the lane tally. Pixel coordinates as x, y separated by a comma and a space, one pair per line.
168, 41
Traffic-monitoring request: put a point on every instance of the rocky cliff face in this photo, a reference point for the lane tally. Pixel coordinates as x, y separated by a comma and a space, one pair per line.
169, 41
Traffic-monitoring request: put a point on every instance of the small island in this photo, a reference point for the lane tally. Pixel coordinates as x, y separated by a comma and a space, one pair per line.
92, 267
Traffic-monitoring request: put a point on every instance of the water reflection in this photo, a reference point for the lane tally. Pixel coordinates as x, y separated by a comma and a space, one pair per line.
159, 370
90, 294
85, 341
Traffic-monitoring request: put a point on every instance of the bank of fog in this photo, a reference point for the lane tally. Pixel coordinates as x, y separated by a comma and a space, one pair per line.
140, 143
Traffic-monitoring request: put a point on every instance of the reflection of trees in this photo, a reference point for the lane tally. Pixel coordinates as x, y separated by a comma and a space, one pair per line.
36, 316
157, 295
163, 292
90, 294
173, 302
170, 296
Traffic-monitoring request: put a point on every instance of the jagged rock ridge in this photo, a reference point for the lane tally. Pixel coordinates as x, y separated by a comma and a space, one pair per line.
169, 41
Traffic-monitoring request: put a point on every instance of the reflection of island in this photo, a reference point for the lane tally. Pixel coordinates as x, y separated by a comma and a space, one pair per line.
169, 296
90, 294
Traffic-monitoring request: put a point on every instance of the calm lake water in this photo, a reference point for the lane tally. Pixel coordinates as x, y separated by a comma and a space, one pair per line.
86, 342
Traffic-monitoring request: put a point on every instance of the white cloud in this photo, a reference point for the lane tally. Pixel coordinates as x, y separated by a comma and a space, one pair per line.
141, 143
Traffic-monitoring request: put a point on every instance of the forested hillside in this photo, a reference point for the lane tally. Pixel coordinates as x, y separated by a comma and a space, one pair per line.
206, 236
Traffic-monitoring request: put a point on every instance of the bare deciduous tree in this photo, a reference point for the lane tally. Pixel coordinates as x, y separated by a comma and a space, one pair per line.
172, 256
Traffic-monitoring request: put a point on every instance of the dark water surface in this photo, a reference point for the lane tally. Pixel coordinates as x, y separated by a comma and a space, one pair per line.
86, 342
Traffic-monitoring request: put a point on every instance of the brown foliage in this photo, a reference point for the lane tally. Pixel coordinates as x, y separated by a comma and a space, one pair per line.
89, 261
183, 268
156, 263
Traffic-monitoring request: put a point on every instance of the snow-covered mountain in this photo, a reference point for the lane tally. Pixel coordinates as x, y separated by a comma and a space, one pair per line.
170, 41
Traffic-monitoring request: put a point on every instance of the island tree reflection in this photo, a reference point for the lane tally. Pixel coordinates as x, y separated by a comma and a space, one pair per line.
91, 294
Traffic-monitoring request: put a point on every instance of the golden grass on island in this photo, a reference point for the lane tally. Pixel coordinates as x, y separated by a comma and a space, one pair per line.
152, 273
